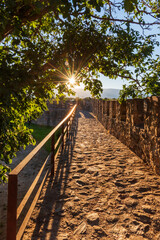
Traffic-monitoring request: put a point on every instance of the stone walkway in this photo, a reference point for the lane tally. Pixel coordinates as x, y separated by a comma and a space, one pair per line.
101, 190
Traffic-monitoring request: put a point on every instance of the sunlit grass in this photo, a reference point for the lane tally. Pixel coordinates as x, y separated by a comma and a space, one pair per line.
40, 132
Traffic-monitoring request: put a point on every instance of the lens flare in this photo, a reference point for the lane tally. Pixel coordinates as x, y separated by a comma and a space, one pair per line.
72, 80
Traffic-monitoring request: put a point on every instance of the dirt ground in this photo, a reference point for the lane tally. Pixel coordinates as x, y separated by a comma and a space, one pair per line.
24, 180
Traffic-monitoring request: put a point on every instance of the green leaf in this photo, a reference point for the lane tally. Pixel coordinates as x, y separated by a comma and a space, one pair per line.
128, 5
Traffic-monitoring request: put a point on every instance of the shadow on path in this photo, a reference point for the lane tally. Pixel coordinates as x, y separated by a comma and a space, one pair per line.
84, 114
51, 203
101, 190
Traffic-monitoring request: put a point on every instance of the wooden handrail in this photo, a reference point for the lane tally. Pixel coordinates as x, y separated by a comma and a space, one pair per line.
26, 160
13, 212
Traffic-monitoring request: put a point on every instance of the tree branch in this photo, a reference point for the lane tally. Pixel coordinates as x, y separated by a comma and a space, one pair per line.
24, 19
124, 20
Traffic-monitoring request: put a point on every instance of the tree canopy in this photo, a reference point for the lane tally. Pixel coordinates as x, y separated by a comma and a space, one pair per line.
44, 43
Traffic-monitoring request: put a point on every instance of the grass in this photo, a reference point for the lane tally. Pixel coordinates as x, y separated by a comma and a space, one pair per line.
39, 132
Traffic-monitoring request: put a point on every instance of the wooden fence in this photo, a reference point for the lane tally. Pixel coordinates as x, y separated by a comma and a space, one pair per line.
13, 212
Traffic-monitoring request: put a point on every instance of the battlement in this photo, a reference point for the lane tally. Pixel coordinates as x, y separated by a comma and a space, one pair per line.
56, 112
136, 123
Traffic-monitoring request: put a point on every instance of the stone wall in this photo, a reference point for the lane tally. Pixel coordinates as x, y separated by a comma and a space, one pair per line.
84, 104
56, 112
136, 123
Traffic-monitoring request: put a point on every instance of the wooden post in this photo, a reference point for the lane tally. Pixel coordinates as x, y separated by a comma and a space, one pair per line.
73, 119
67, 129
12, 208
52, 155
62, 136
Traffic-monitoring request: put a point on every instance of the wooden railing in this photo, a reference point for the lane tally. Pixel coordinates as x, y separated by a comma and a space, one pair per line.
13, 212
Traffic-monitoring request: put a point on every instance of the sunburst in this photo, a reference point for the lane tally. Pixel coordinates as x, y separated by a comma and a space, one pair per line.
72, 80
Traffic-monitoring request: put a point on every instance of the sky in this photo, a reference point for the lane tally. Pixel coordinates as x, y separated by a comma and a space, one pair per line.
118, 83
108, 83
112, 83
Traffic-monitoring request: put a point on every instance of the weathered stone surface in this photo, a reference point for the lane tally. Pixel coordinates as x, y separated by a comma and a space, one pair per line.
83, 181
82, 170
131, 202
122, 202
98, 190
93, 170
81, 228
143, 189
142, 217
135, 122
76, 199
148, 209
100, 231
63, 236
137, 238
93, 218
56, 112
112, 218
76, 176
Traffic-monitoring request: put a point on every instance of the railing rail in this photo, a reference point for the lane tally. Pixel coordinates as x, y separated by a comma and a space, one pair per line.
13, 212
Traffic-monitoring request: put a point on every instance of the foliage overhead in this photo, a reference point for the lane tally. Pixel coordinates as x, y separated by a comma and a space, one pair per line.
44, 43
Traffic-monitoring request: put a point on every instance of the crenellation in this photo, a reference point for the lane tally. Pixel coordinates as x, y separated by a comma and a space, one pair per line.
113, 109
136, 123
138, 112
121, 111
108, 108
55, 113
99, 110
103, 112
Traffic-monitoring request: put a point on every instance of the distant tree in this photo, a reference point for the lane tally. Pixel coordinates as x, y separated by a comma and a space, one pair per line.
44, 43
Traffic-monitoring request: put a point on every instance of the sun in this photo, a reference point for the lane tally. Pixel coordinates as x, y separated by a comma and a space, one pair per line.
72, 80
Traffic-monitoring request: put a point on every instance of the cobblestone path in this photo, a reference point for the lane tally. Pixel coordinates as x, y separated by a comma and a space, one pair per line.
101, 190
